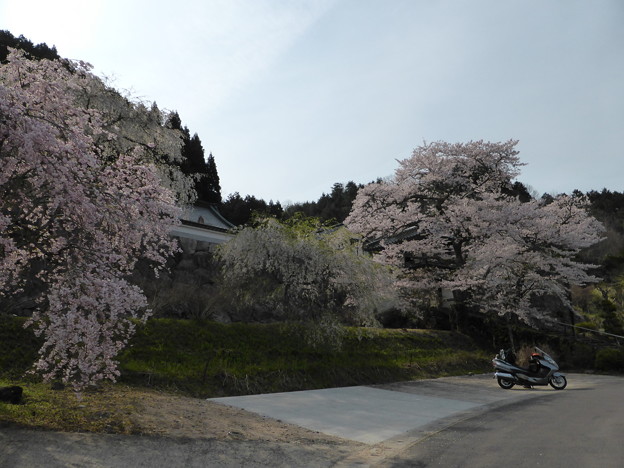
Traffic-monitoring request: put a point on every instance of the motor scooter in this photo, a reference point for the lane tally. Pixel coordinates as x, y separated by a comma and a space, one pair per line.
542, 370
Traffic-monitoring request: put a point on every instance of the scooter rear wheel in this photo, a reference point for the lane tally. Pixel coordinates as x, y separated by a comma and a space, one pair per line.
505, 383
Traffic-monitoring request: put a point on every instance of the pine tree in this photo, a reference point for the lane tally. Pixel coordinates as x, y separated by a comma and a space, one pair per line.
207, 183
210, 186
194, 153
174, 122
37, 52
334, 206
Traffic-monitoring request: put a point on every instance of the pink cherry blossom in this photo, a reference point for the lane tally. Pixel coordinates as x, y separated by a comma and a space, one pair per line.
84, 196
447, 219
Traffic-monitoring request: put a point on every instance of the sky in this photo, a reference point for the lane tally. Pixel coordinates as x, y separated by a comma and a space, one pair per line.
293, 96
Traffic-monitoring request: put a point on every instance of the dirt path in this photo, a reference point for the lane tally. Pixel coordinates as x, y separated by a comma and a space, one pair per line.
178, 432
176, 416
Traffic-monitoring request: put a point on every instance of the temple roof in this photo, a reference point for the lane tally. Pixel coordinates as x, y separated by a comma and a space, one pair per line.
206, 214
203, 222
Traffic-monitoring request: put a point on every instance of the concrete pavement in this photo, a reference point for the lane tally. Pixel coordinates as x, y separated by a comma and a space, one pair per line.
373, 414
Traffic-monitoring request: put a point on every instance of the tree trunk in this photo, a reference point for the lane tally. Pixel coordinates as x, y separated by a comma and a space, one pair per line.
510, 333
572, 322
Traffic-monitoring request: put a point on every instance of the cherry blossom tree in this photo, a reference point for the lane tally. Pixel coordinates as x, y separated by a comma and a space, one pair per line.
304, 271
450, 220
82, 200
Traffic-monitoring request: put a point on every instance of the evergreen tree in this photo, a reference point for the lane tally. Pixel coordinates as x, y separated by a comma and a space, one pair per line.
334, 206
608, 207
210, 185
194, 152
39, 51
207, 184
241, 211
174, 122
235, 210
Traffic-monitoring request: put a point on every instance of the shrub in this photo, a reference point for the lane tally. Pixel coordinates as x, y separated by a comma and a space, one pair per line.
588, 325
577, 355
610, 359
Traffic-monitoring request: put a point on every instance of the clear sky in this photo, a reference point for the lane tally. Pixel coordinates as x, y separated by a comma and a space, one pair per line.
292, 96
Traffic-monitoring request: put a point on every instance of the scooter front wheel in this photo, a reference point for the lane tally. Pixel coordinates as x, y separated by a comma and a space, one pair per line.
558, 382
506, 383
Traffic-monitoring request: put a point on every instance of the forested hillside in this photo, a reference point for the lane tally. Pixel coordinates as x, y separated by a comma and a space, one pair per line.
34, 51
602, 304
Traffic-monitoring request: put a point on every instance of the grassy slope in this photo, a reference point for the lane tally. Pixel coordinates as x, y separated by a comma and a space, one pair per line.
206, 359
211, 359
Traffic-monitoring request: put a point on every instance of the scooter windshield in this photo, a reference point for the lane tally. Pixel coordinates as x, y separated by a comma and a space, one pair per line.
545, 355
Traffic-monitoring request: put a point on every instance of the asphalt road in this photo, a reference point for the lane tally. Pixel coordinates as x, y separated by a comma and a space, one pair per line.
582, 426
450, 422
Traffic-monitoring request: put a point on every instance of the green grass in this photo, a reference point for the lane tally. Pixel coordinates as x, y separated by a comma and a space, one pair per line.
210, 359
105, 409
18, 347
